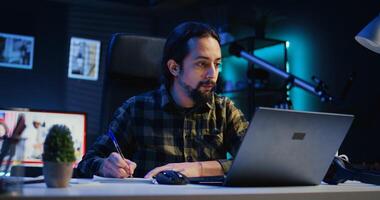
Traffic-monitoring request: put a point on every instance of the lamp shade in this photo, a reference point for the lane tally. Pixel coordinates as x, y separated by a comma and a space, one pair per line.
369, 37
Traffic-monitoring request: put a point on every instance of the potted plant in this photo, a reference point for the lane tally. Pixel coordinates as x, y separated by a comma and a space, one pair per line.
58, 156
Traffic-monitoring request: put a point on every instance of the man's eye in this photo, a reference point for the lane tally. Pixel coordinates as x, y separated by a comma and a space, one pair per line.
218, 65
202, 64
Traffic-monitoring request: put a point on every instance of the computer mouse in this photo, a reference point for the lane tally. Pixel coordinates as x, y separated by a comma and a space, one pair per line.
171, 177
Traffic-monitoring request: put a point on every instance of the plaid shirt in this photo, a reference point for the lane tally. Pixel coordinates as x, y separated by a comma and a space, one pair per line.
153, 131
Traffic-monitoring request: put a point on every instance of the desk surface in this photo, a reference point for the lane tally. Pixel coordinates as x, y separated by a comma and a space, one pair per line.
88, 189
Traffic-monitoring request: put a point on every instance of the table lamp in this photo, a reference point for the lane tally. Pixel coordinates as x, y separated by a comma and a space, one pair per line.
369, 37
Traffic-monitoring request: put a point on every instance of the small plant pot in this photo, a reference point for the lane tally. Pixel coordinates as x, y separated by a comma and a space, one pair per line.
57, 175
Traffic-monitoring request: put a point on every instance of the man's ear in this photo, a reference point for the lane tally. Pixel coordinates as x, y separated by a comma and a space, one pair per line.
173, 67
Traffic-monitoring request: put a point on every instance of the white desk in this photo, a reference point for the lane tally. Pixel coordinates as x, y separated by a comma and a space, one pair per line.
89, 190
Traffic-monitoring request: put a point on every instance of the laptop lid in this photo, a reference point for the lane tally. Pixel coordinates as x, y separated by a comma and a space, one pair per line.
286, 148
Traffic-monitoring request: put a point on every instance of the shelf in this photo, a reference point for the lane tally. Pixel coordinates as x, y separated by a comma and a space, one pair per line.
236, 71
250, 44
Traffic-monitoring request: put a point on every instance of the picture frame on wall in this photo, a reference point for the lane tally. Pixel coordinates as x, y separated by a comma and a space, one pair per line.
84, 58
16, 51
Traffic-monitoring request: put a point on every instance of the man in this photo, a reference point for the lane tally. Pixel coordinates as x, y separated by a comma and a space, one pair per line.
183, 125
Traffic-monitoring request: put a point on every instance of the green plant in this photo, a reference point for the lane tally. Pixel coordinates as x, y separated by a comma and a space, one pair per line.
58, 145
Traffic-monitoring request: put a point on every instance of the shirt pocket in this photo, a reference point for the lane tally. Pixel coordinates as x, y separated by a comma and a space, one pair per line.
211, 144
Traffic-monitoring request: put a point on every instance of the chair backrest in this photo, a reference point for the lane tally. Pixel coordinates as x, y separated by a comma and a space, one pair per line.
133, 67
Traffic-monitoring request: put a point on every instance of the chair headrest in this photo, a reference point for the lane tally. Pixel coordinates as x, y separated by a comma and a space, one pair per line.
137, 56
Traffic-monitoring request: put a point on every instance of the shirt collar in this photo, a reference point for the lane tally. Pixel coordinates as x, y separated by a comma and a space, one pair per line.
165, 96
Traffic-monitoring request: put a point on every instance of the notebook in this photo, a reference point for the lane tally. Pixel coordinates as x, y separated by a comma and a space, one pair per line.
285, 148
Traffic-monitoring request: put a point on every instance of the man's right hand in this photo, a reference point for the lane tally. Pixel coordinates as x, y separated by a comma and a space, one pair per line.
115, 166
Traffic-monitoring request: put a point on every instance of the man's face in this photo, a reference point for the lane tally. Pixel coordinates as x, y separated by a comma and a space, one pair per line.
200, 68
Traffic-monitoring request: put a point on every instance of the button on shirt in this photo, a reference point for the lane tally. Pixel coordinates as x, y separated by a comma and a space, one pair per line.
153, 131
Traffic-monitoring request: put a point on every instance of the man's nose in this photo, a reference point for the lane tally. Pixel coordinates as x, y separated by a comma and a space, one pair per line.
212, 71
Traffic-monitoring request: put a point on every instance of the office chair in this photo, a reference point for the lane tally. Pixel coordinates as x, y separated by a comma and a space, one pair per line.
132, 67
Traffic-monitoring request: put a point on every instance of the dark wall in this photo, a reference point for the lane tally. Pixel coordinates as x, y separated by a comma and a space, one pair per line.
52, 24
334, 54
43, 87
98, 23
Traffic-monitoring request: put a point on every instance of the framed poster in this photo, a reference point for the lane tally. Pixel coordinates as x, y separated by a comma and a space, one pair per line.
84, 58
16, 51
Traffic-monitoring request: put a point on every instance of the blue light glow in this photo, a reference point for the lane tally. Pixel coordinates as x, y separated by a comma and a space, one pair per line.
299, 62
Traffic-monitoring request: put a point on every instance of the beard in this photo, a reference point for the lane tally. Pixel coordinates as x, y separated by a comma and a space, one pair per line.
196, 94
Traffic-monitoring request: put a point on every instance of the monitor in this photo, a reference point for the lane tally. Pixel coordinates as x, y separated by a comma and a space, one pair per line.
29, 150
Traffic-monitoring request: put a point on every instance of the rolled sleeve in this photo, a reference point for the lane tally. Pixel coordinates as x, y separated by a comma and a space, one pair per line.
103, 146
226, 165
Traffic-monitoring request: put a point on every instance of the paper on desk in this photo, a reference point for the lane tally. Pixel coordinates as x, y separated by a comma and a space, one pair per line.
23, 180
122, 180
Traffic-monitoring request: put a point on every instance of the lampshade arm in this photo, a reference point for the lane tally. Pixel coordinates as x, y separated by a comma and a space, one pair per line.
318, 90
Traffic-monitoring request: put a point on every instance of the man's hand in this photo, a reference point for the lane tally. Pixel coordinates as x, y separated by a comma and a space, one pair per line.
190, 169
115, 166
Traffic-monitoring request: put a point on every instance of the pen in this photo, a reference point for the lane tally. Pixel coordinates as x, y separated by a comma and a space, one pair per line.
112, 136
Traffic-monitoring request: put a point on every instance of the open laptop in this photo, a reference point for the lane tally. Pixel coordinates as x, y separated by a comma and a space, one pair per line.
285, 148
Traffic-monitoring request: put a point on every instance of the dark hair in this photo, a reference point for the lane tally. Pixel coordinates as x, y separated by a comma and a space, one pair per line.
176, 46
